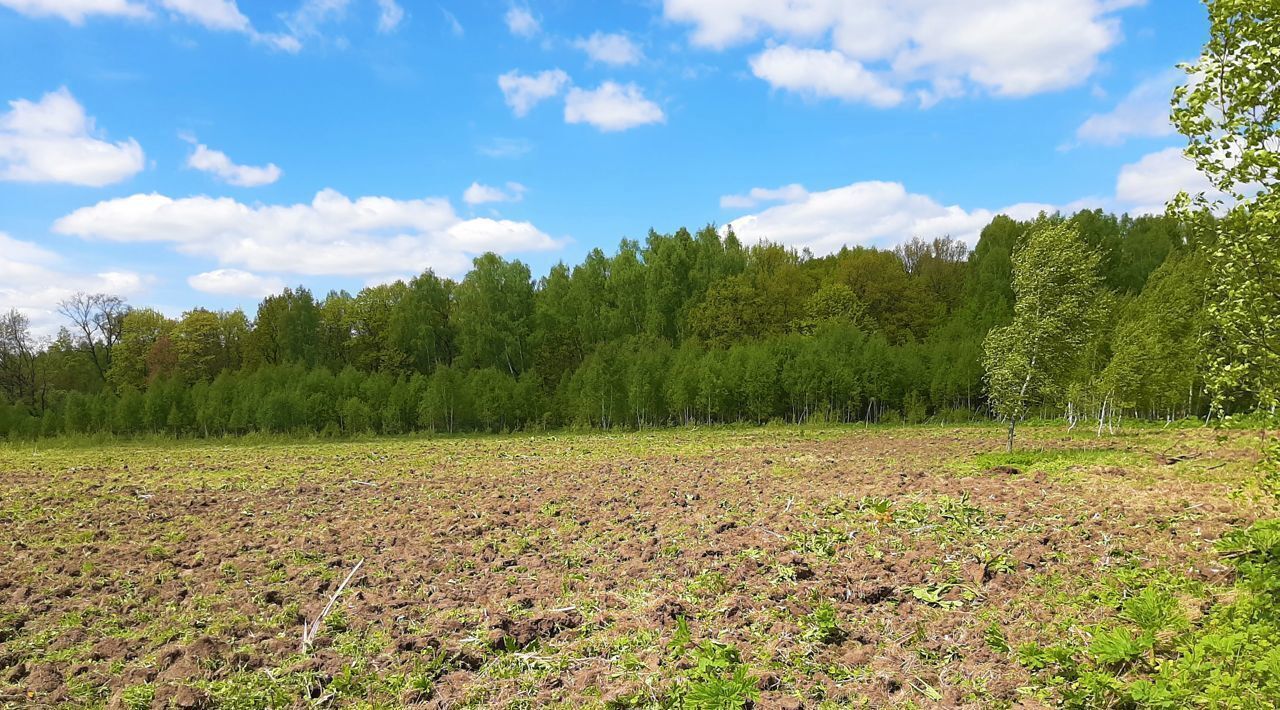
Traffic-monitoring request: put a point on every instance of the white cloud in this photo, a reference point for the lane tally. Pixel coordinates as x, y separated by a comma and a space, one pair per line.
824, 74
941, 48
521, 22
33, 280
612, 107
1143, 187
884, 214
479, 194
1143, 113
759, 195
524, 91
865, 213
235, 282
332, 235
612, 49
212, 14
218, 15
53, 140
390, 15
216, 163
75, 11
225, 16
452, 21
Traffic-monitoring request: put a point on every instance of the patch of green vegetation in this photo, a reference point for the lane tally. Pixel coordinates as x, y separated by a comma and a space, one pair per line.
822, 625
1050, 461
138, 697
716, 679
1150, 654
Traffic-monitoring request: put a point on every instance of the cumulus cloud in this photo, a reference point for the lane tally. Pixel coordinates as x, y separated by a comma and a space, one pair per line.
612, 49
54, 140
75, 11
212, 14
521, 22
760, 195
1144, 186
823, 74
940, 48
225, 16
524, 91
33, 280
875, 213
479, 194
331, 235
216, 163
868, 213
1143, 113
219, 15
235, 282
611, 107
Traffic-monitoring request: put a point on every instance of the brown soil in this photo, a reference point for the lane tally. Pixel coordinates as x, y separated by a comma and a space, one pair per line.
184, 567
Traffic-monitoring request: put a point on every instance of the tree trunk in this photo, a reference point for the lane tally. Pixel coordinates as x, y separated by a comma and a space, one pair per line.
1012, 424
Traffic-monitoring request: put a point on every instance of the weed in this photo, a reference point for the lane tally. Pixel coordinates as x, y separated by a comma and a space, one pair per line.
822, 543
718, 679
935, 595
822, 625
995, 639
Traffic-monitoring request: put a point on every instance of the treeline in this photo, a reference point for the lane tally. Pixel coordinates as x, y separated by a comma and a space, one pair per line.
684, 328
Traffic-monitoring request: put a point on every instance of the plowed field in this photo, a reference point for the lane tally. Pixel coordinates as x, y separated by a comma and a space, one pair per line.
847, 566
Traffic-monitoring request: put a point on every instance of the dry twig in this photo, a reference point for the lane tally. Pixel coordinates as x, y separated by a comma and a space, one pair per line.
309, 631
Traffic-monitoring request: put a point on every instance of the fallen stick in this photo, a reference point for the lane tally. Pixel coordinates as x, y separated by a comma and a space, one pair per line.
309, 631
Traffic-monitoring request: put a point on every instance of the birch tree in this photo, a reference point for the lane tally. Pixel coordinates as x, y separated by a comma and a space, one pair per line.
1056, 288
1229, 110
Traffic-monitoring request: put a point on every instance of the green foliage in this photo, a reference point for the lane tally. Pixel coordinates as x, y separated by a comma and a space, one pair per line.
1243, 311
683, 328
822, 625
1153, 656
715, 679
1119, 646
1056, 289
1229, 110
936, 595
138, 697
1153, 610
718, 679
719, 692
1158, 340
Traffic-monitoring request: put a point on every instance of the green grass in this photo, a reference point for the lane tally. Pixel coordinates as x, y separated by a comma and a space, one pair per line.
1052, 461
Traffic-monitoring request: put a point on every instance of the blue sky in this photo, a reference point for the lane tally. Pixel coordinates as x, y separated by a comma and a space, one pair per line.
186, 152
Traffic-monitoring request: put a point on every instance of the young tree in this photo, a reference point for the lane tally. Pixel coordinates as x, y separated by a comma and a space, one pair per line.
1055, 287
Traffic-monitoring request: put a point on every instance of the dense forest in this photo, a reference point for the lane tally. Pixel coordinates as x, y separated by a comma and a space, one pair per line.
683, 328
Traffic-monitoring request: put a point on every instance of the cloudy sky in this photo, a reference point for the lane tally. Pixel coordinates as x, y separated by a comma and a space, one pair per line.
184, 152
